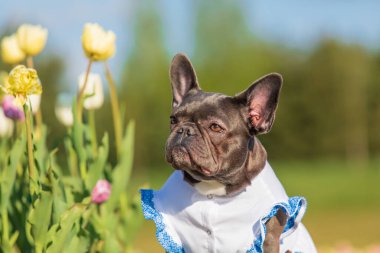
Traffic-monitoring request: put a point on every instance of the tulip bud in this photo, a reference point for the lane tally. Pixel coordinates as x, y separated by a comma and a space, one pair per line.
6, 125
93, 92
35, 101
101, 191
31, 38
98, 45
65, 115
12, 108
10, 50
63, 110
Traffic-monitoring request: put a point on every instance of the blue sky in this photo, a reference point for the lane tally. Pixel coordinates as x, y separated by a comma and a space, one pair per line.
298, 24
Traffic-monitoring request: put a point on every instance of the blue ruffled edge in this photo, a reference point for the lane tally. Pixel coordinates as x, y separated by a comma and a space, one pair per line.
294, 209
150, 213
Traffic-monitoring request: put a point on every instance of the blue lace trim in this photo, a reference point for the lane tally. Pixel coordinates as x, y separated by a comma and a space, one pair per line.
150, 213
292, 210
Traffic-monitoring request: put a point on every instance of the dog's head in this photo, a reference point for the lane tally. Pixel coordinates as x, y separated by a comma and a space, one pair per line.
213, 135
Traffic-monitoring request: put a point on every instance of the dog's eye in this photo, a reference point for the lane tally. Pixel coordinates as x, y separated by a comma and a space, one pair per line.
173, 120
216, 128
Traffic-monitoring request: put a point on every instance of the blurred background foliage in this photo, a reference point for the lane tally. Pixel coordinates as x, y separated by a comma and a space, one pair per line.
329, 103
325, 142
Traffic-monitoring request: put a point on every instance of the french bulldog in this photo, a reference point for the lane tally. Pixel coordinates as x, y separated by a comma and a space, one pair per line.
213, 145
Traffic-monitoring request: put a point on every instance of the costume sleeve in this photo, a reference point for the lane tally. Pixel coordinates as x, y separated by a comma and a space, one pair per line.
294, 209
151, 213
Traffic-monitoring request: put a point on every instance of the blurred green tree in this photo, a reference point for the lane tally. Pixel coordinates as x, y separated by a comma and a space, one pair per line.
323, 110
374, 106
50, 70
146, 89
338, 77
229, 58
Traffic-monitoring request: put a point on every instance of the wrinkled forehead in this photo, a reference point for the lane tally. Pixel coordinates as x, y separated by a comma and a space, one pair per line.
206, 106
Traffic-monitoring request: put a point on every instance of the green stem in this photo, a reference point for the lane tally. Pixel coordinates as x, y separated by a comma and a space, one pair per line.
38, 123
29, 141
83, 171
115, 109
18, 128
30, 64
80, 97
3, 143
73, 157
29, 61
73, 163
38, 248
5, 227
91, 121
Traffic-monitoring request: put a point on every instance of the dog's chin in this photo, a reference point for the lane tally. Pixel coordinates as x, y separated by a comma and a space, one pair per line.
191, 168
181, 159
199, 176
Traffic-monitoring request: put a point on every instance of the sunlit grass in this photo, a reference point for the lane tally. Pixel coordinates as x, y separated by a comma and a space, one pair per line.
343, 200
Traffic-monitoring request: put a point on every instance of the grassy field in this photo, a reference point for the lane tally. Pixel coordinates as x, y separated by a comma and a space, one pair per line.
343, 201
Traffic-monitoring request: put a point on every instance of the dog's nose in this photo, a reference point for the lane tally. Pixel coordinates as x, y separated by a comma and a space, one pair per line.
188, 131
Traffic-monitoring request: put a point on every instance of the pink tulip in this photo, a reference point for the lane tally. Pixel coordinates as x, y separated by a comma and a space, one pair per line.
11, 109
374, 249
101, 191
344, 247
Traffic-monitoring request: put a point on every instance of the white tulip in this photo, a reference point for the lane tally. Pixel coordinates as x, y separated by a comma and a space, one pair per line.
35, 101
93, 92
63, 110
64, 115
31, 38
6, 125
10, 50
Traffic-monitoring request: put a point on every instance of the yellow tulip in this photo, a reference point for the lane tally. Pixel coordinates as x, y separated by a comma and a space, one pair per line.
22, 82
31, 38
10, 50
98, 44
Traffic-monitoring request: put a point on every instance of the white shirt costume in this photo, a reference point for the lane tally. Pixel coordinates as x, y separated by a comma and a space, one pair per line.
188, 221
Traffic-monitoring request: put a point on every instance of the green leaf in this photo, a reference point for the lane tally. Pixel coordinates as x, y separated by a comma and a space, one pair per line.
111, 245
8, 175
40, 150
96, 171
39, 218
132, 220
122, 172
78, 244
13, 238
7, 183
78, 139
62, 233
5, 244
71, 157
59, 194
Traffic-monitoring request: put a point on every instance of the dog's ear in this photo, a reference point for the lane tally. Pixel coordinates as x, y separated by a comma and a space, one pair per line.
261, 98
182, 77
